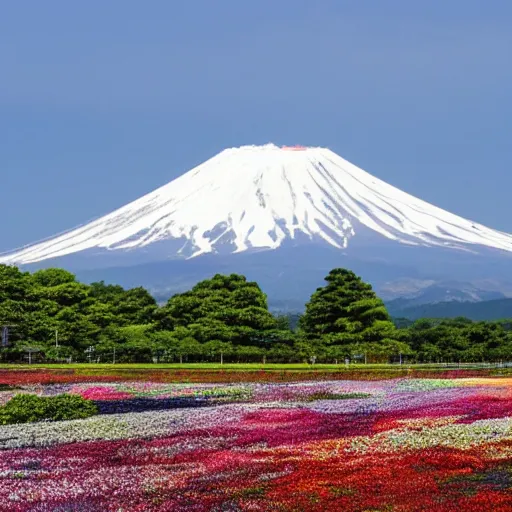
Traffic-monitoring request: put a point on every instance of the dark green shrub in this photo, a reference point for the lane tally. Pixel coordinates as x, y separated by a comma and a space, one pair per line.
70, 407
30, 408
23, 409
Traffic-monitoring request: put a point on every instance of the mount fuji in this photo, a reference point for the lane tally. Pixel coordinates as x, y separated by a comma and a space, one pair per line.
282, 215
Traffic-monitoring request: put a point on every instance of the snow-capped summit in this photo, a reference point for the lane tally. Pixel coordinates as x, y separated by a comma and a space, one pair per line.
260, 196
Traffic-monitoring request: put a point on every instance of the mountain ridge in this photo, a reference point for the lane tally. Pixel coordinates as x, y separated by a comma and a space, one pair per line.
488, 310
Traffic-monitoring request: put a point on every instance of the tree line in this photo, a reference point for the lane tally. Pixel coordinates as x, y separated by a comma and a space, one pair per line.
49, 316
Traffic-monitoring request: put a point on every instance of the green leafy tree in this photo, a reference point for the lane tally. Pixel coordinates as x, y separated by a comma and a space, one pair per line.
346, 311
134, 306
225, 308
14, 284
50, 277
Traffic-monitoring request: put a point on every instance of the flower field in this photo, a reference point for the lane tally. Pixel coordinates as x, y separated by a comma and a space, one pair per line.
395, 444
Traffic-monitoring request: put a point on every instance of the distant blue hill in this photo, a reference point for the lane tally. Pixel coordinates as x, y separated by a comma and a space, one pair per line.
486, 310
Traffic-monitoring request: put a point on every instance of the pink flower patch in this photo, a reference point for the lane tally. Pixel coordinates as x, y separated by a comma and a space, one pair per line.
104, 393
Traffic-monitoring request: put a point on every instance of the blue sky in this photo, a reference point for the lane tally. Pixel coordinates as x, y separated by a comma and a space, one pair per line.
101, 102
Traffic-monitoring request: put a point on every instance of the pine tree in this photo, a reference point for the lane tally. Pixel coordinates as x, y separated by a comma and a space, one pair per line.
346, 311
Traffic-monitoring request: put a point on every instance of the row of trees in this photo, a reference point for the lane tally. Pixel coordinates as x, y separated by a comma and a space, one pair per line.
49, 315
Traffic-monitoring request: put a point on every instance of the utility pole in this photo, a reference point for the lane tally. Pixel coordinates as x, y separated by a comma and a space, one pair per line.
57, 343
114, 360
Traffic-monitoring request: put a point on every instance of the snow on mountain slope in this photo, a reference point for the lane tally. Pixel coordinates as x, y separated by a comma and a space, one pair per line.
258, 196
